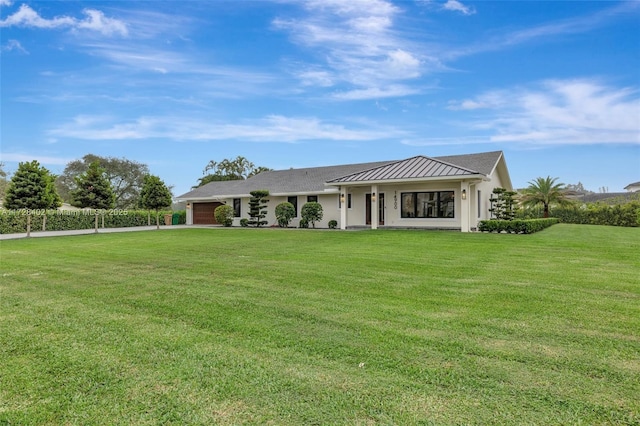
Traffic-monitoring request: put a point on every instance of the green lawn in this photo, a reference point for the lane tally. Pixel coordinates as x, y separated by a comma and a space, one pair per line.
244, 326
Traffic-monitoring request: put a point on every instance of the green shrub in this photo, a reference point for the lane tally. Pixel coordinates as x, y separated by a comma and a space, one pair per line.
304, 223
15, 221
333, 224
224, 215
518, 226
284, 213
244, 222
311, 212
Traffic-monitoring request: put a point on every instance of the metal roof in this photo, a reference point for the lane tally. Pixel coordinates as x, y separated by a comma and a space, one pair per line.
411, 168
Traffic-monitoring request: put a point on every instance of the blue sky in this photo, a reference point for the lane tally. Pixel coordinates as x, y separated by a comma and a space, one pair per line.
174, 84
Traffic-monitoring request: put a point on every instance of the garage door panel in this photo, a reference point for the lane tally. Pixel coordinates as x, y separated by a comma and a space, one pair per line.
203, 213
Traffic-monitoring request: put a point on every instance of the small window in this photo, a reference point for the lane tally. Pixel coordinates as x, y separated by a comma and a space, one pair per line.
294, 202
348, 202
312, 198
236, 207
479, 204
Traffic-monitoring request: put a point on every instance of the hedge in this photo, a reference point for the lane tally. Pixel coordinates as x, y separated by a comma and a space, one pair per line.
15, 221
518, 226
627, 214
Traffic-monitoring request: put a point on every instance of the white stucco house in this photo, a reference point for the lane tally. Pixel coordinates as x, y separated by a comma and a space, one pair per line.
633, 187
450, 192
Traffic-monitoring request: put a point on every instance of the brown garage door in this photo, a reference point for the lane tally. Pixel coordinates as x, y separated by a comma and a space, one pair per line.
203, 213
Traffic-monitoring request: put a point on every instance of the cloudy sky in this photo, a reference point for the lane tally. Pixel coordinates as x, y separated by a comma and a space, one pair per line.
174, 84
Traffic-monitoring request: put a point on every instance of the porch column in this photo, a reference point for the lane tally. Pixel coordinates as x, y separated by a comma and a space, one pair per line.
465, 207
374, 206
344, 199
189, 213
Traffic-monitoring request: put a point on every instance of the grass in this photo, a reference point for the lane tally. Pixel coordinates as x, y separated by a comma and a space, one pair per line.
242, 326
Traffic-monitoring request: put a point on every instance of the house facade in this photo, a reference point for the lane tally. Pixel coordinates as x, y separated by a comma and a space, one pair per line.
451, 192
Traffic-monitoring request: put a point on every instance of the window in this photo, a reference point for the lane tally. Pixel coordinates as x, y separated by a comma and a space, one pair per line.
312, 198
348, 202
437, 204
236, 207
479, 204
294, 201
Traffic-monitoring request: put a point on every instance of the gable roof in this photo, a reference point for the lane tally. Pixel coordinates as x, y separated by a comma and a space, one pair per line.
411, 168
313, 179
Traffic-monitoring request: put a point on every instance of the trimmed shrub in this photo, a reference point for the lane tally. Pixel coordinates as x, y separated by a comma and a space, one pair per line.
312, 213
224, 215
333, 224
517, 226
244, 222
15, 221
284, 213
304, 223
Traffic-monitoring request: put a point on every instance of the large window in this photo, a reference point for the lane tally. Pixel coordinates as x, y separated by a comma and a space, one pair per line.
294, 201
236, 207
437, 204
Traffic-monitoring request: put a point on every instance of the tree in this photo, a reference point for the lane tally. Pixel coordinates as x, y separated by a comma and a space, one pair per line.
544, 191
237, 169
4, 183
93, 189
155, 195
126, 178
503, 204
224, 215
31, 187
284, 213
311, 212
258, 207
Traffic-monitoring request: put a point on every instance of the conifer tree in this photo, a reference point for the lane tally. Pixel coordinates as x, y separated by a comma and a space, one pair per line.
258, 207
155, 195
93, 189
31, 187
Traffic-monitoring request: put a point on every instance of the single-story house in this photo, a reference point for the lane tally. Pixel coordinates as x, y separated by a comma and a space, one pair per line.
633, 187
451, 192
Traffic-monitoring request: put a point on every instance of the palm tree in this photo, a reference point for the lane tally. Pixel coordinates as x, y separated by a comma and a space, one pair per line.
544, 191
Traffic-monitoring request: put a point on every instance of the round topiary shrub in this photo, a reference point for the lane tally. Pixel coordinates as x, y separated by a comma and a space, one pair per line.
224, 215
304, 223
333, 224
284, 213
312, 212
244, 222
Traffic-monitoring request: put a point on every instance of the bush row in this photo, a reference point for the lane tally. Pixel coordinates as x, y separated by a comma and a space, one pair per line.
518, 226
600, 214
12, 221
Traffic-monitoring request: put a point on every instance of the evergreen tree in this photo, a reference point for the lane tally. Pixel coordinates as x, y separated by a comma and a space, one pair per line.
155, 195
32, 187
93, 189
258, 207
503, 204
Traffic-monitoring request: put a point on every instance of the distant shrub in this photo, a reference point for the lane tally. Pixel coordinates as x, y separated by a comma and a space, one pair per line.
224, 215
304, 223
333, 224
244, 222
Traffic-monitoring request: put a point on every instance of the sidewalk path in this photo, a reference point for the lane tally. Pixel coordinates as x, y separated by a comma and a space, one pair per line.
38, 234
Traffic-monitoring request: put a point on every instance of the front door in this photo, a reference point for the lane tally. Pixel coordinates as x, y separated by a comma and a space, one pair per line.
380, 209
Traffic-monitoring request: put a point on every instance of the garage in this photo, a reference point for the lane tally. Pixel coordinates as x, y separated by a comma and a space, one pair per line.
203, 213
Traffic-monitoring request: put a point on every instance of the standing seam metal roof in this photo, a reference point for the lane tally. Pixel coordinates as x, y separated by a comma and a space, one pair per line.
412, 168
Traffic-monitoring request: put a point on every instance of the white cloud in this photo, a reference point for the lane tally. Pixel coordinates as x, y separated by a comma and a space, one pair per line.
560, 112
11, 157
6, 2
14, 45
273, 128
356, 45
95, 21
457, 6
376, 93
